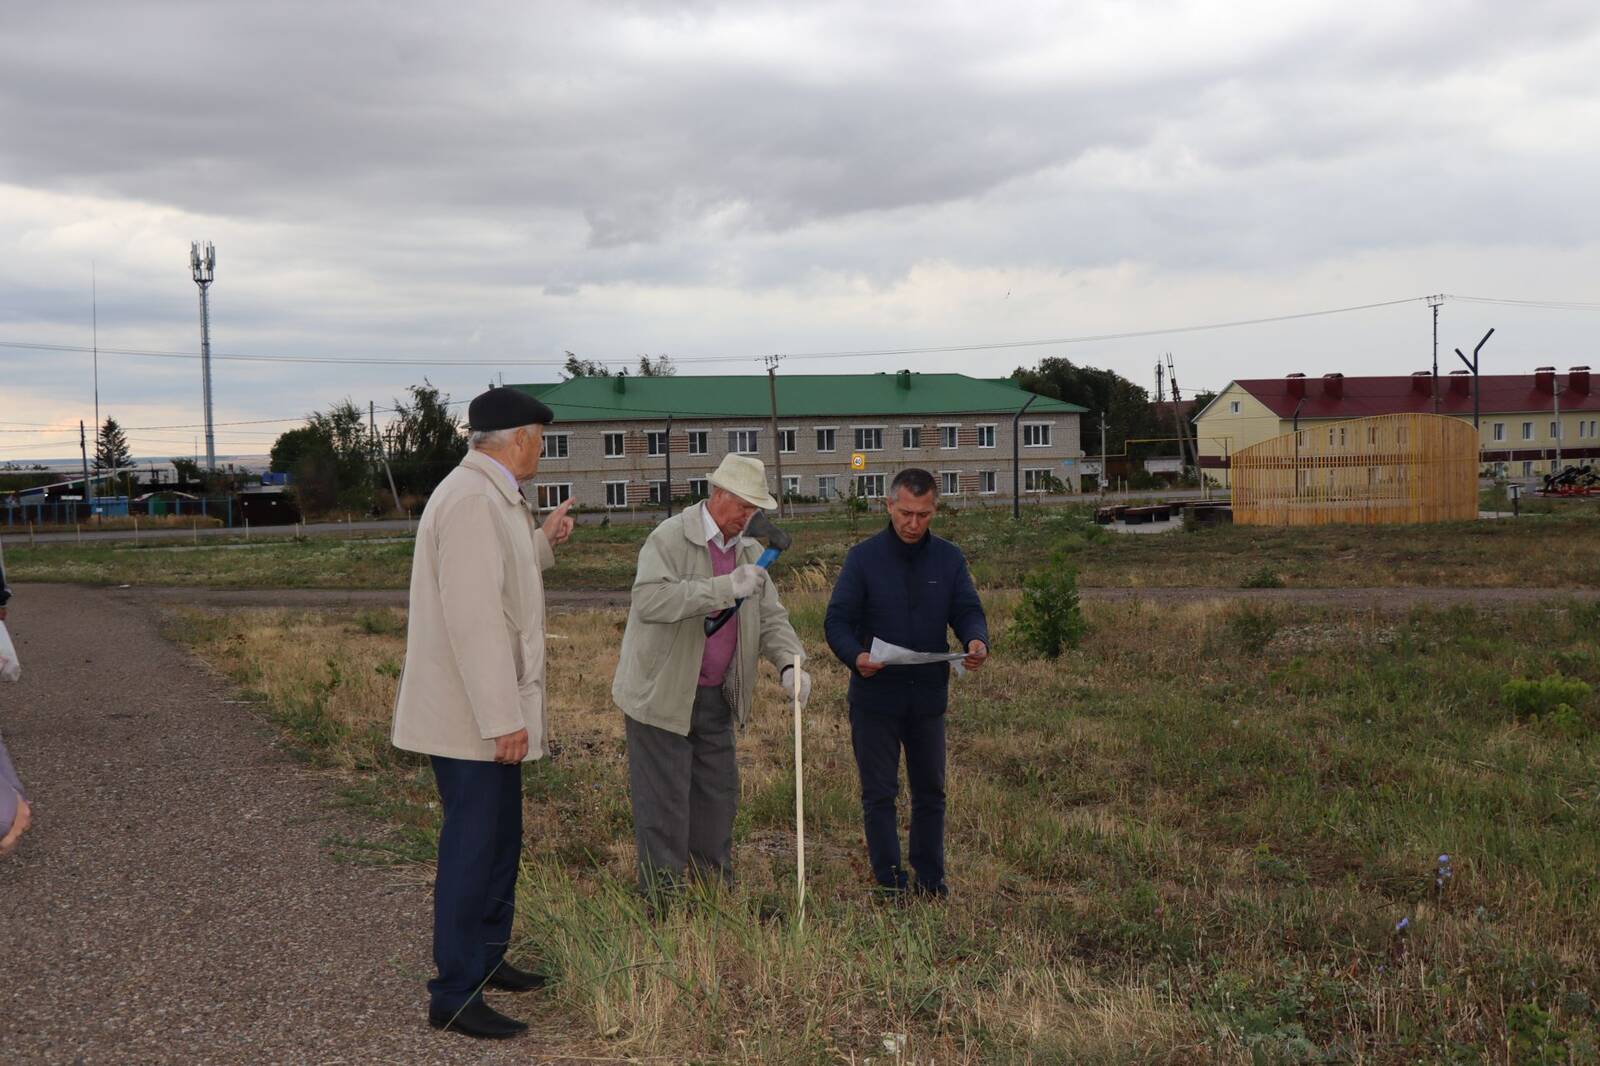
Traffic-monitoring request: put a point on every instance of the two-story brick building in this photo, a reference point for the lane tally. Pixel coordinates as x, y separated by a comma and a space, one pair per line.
613, 437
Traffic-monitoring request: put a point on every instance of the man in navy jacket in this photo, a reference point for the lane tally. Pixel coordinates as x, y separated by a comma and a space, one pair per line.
908, 587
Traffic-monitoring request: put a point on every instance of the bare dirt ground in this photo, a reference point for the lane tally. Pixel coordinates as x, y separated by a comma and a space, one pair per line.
178, 900
1382, 599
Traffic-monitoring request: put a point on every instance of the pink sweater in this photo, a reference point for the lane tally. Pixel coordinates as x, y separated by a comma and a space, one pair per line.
721, 644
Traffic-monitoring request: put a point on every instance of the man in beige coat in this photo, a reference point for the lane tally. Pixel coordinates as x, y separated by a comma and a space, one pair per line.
472, 696
682, 692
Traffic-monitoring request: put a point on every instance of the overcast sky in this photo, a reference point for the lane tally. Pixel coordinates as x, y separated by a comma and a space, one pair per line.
508, 181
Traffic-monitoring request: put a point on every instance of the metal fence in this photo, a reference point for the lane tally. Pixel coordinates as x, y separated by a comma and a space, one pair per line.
41, 512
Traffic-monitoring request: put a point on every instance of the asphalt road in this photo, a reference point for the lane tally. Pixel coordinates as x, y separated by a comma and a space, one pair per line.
176, 901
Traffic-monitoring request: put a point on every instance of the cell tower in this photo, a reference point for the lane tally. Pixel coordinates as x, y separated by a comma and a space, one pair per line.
203, 265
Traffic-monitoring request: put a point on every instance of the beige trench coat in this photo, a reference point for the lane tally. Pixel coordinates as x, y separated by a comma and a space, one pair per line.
475, 640
673, 591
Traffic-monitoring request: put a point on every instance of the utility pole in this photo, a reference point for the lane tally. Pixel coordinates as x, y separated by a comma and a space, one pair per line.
83, 453
1102, 453
1016, 458
377, 444
1555, 396
94, 319
203, 266
1187, 449
667, 440
1434, 302
777, 445
1476, 390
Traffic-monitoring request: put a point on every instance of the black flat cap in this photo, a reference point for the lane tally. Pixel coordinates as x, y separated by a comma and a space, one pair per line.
506, 408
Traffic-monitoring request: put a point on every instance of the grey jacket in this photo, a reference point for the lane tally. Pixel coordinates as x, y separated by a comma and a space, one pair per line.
673, 592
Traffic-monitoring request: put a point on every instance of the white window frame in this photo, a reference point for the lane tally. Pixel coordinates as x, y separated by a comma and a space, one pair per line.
913, 434
1044, 442
659, 490
1233, 407
737, 449
857, 431
792, 434
1037, 475
992, 479
863, 480
827, 486
949, 436
991, 433
700, 487
622, 444
1555, 431
791, 486
563, 452
949, 482
542, 491
701, 437
614, 504
652, 437
1527, 468
1527, 431
1499, 431
833, 439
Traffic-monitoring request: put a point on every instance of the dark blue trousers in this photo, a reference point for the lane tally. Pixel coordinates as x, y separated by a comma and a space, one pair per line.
480, 844
879, 734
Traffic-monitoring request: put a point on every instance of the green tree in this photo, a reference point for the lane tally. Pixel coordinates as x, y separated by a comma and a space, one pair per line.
187, 469
111, 450
424, 440
584, 368
1124, 407
662, 367
329, 460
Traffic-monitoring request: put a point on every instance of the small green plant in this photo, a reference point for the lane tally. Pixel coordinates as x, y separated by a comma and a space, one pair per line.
1251, 628
1555, 697
1264, 578
1048, 619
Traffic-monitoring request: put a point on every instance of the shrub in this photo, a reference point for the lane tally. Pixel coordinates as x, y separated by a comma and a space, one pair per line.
1555, 697
1048, 619
1264, 578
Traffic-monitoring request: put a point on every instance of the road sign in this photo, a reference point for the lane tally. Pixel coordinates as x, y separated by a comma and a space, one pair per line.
858, 460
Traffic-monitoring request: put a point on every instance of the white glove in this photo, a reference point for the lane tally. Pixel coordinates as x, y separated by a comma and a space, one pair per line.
787, 680
748, 580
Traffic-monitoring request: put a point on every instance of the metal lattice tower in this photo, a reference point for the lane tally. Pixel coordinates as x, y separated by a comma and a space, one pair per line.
203, 265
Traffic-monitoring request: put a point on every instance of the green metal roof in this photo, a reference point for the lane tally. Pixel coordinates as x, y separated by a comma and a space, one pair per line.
799, 396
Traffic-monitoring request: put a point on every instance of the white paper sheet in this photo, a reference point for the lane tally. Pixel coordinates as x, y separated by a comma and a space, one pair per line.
894, 655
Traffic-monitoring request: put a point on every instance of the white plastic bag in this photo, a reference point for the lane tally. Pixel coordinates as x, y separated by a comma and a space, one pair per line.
10, 668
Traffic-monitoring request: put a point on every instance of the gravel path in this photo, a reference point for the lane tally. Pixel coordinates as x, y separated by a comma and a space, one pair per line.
176, 901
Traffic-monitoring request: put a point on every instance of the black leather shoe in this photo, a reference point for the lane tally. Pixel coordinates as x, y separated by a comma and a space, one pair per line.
477, 1019
508, 978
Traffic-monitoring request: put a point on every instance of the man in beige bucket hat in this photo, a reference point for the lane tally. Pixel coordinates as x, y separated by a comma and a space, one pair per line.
681, 692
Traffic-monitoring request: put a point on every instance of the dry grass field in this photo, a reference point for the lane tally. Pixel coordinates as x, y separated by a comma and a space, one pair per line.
1209, 834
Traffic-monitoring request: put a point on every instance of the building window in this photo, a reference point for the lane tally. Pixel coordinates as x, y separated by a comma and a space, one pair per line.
613, 445
1233, 407
1036, 480
825, 440
1499, 431
548, 496
869, 440
986, 483
658, 491
1527, 468
947, 436
869, 486
744, 441
910, 436
791, 485
616, 494
1527, 431
1555, 431
1555, 466
786, 440
554, 446
827, 486
699, 442
949, 483
699, 488
986, 436
655, 442
1036, 435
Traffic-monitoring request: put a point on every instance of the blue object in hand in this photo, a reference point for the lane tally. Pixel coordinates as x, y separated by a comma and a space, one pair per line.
720, 619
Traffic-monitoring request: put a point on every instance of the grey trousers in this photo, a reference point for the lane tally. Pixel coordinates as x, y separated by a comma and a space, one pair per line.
685, 791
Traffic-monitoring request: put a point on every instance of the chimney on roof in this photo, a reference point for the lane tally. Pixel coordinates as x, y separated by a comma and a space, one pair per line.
1544, 379
1333, 386
1297, 386
1578, 380
1422, 382
903, 379
1459, 382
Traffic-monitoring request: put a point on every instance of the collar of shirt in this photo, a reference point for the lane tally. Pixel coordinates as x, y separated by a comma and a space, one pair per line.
713, 534
509, 475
